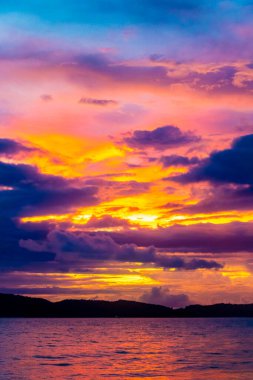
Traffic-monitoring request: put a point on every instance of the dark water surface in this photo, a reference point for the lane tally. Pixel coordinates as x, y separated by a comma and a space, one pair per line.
34, 349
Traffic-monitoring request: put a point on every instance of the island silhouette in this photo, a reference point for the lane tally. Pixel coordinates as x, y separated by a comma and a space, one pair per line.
26, 307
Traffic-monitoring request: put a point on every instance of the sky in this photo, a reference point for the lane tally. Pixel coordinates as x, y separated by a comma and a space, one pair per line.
126, 150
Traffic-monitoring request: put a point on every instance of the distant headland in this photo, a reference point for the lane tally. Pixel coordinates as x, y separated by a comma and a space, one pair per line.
27, 307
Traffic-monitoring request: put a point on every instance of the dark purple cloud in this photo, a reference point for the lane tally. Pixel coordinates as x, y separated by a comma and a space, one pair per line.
120, 71
50, 249
78, 247
97, 102
35, 193
45, 249
219, 80
234, 165
216, 80
176, 160
12, 147
14, 257
26, 192
223, 198
197, 238
159, 295
160, 138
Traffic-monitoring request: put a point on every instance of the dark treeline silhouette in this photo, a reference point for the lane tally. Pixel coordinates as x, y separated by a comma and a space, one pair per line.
19, 306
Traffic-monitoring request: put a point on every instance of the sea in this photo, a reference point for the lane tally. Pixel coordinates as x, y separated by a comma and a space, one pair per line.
100, 348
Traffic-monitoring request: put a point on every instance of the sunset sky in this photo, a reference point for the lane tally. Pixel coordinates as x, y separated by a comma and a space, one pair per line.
126, 144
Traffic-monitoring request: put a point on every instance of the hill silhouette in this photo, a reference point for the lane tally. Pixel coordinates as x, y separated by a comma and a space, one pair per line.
20, 306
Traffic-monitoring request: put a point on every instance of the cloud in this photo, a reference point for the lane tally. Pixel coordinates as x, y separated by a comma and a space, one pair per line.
118, 188
120, 72
232, 170
79, 247
176, 160
12, 256
160, 138
24, 247
219, 81
234, 165
161, 71
217, 78
97, 102
12, 147
24, 191
55, 290
222, 198
106, 221
197, 238
35, 193
159, 295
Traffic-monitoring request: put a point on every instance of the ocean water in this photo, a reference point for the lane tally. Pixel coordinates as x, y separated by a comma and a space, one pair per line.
36, 349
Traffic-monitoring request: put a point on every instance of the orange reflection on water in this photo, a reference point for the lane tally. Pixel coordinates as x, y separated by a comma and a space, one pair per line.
93, 349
